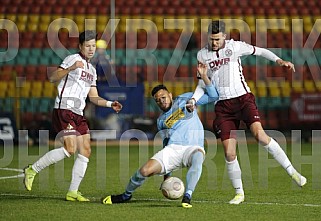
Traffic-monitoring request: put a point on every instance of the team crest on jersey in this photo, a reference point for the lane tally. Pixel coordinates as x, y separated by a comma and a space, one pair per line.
228, 52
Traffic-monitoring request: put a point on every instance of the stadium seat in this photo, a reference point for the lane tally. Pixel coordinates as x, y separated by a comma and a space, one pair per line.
274, 89
3, 89
7, 104
251, 84
25, 89
36, 89
45, 105
12, 17
285, 88
19, 70
261, 89
297, 86
26, 119
309, 86
49, 89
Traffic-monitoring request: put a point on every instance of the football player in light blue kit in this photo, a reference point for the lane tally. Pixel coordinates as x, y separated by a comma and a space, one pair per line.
183, 135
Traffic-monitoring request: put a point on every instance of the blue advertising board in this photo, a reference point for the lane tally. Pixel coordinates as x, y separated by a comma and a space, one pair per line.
131, 97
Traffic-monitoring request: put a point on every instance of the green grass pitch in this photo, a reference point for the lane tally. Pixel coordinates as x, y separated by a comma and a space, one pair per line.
270, 193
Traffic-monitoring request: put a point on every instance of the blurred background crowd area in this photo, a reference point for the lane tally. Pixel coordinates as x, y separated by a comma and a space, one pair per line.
157, 42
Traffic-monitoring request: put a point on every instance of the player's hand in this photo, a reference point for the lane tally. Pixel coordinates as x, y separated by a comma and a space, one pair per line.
116, 106
77, 64
190, 105
286, 64
202, 73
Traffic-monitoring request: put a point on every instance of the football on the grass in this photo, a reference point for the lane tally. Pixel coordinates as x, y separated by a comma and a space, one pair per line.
173, 188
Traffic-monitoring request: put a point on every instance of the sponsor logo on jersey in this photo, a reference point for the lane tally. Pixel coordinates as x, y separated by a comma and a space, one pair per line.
174, 117
87, 77
216, 64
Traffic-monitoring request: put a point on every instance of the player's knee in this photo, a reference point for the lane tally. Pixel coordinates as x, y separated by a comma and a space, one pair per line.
198, 158
146, 171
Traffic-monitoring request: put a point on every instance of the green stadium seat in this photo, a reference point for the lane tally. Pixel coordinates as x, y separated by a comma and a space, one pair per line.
36, 52
7, 104
24, 104
55, 60
24, 52
32, 60
21, 60
45, 105
47, 52
44, 60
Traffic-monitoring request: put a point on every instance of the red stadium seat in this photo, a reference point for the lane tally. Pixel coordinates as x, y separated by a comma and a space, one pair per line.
58, 10
91, 10
12, 10
35, 9
103, 10
45, 9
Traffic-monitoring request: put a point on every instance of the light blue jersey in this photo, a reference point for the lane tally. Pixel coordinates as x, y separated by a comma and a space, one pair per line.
180, 126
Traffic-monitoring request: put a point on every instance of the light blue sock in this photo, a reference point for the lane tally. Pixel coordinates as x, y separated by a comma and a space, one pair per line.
135, 181
194, 172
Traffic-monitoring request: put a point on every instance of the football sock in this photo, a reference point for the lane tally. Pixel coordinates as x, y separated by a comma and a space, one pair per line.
49, 158
194, 172
135, 181
78, 171
235, 175
278, 154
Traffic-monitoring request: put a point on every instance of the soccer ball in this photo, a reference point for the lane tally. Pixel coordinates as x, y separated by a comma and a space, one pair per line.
173, 188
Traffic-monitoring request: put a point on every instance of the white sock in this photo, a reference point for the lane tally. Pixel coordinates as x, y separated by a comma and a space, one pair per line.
235, 175
78, 172
49, 158
278, 154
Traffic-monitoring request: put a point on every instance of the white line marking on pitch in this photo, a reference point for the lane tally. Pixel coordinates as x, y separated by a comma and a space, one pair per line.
12, 169
250, 203
165, 200
14, 176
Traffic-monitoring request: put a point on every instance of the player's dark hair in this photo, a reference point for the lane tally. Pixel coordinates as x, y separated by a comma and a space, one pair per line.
216, 27
157, 88
87, 36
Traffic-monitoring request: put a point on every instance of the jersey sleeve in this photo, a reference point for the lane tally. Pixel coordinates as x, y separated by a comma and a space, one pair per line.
266, 54
244, 48
67, 62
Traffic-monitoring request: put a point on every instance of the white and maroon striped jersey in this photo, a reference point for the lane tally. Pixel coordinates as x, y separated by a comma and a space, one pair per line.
225, 69
74, 87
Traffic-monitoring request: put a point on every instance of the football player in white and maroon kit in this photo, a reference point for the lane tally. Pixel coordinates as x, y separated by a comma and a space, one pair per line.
220, 63
76, 79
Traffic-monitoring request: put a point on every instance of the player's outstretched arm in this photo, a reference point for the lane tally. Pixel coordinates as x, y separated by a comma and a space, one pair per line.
99, 101
273, 57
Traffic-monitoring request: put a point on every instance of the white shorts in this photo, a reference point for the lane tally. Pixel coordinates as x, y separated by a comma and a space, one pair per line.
173, 157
